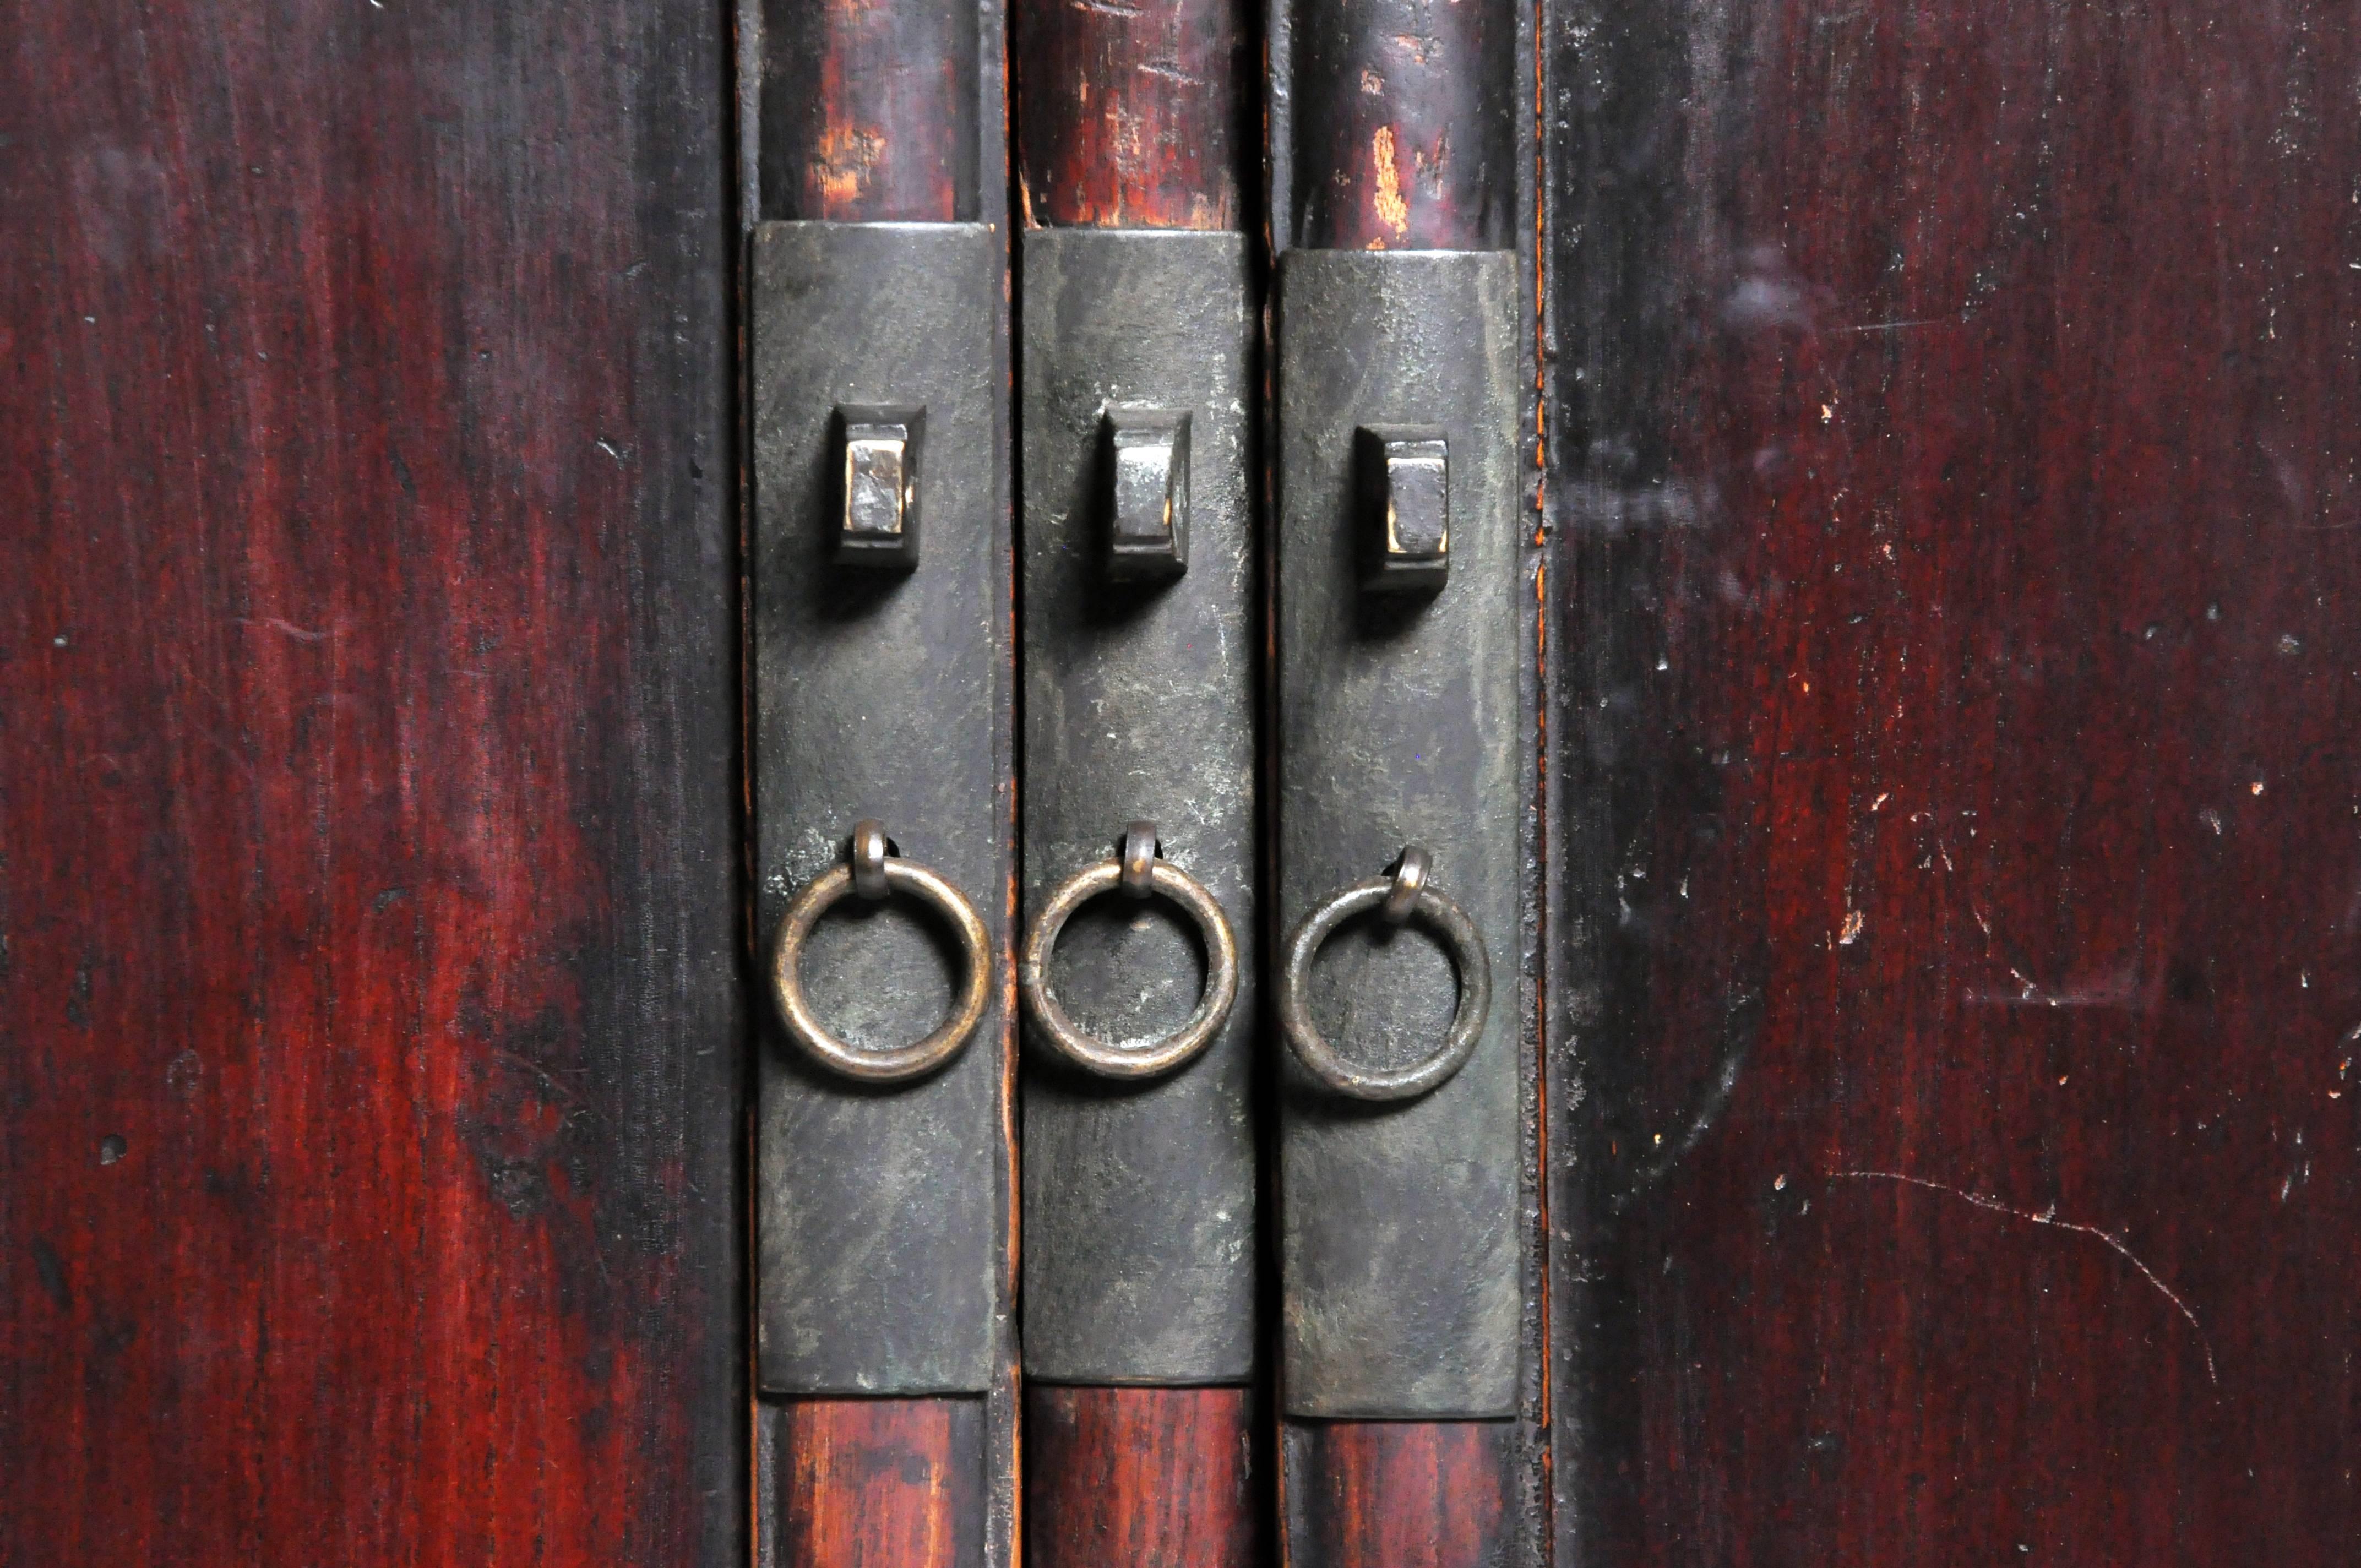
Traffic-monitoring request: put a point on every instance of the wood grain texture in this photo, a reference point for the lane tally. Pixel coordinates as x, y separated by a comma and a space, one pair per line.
1167, 1476
1135, 118
369, 1019
1405, 133
1961, 472
1401, 1493
869, 110
878, 1482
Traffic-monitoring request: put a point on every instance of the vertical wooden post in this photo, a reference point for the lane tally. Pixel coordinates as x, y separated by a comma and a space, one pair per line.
1143, 119
1147, 1475
1404, 134
862, 111
1399, 131
868, 112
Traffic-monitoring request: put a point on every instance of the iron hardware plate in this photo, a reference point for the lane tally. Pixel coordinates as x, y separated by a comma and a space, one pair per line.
1139, 1199
1400, 724
881, 1210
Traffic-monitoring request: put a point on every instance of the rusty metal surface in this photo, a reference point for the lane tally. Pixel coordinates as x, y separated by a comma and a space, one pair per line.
1139, 1200
881, 1211
1401, 721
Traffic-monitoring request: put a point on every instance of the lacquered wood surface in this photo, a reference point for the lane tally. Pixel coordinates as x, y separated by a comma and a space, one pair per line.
1136, 116
878, 1482
868, 109
368, 1019
1958, 456
1167, 1476
1401, 1493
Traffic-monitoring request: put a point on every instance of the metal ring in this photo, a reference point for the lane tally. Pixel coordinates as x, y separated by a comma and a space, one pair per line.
905, 1062
1459, 935
1058, 1031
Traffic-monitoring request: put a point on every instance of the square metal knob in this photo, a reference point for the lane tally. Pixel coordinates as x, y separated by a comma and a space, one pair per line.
1404, 493
878, 526
1148, 503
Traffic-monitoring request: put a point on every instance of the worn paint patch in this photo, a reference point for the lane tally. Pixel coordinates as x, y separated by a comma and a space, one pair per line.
848, 162
1386, 192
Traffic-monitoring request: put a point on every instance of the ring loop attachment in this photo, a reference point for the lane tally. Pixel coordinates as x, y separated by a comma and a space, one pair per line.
873, 865
1405, 890
1138, 867
1139, 859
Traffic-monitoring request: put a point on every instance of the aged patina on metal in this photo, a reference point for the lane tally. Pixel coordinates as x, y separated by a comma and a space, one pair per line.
1138, 642
1404, 491
1399, 724
1147, 500
880, 701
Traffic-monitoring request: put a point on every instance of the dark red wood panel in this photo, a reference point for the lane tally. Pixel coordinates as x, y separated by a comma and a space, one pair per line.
368, 1066
879, 1483
1961, 477
1136, 116
1401, 1493
1169, 1476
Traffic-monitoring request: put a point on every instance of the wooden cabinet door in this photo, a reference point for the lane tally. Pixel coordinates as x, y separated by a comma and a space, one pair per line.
1956, 488
369, 904
1946, 861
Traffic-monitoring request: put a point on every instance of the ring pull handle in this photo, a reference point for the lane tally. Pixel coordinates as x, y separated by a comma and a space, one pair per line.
1139, 871
1398, 896
873, 871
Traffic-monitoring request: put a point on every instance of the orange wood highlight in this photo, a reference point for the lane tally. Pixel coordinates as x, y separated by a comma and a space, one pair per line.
869, 111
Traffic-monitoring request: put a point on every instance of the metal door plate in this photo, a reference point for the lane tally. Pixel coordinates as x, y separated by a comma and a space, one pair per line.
881, 1208
1399, 723
1139, 1198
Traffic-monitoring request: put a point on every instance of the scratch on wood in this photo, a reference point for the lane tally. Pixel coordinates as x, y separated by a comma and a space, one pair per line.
2113, 1241
1173, 73
1901, 325
300, 633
